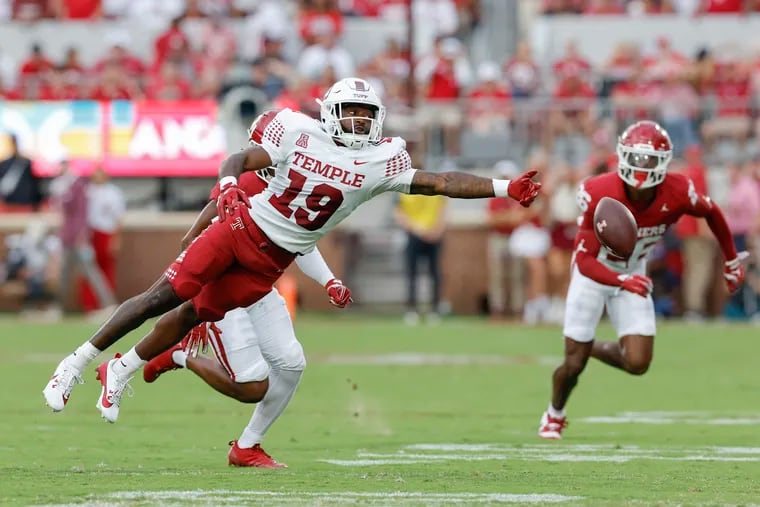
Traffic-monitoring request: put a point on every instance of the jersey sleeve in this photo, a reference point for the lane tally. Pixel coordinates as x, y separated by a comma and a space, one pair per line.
272, 131
398, 174
691, 201
250, 182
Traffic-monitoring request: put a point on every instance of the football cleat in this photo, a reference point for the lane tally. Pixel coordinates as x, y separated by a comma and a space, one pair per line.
113, 388
58, 388
162, 363
551, 427
251, 457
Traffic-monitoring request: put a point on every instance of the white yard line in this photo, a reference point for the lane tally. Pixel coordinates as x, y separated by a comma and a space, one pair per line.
230, 497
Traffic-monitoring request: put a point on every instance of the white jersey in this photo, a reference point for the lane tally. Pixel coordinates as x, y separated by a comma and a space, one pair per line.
317, 183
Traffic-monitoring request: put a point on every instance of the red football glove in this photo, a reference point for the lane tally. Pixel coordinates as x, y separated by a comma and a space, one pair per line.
523, 189
733, 272
230, 197
340, 295
197, 339
638, 284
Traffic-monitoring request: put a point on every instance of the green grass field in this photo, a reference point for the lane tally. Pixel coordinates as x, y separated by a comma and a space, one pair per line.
388, 414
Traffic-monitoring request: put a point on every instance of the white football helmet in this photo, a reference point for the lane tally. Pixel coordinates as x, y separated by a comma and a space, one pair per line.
351, 90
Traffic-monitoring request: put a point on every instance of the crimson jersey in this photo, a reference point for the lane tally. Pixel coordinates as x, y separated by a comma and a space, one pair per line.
675, 197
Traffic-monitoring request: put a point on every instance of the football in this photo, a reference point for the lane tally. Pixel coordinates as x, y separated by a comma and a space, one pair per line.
615, 227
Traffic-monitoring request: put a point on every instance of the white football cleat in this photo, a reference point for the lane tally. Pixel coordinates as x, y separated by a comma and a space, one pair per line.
58, 388
551, 427
113, 388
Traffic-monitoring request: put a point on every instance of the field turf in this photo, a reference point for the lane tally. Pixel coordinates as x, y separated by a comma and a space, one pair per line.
394, 415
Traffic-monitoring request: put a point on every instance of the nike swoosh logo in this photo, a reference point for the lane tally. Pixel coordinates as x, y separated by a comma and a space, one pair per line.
356, 162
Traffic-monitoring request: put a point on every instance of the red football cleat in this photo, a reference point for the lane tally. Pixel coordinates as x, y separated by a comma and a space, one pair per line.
161, 364
551, 427
251, 457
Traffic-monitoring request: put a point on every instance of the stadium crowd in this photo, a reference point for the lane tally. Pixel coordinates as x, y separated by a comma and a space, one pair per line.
561, 117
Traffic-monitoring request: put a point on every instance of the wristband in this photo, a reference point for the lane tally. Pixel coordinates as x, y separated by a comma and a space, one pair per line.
500, 188
227, 181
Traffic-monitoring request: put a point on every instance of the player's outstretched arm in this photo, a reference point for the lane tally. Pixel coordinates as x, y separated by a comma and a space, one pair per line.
314, 266
202, 221
467, 186
252, 158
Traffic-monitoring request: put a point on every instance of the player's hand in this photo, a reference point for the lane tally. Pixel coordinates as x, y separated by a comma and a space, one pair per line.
339, 294
523, 189
197, 338
733, 272
230, 197
638, 284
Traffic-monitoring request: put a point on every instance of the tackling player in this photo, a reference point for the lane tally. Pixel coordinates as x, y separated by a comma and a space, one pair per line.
324, 170
259, 358
657, 199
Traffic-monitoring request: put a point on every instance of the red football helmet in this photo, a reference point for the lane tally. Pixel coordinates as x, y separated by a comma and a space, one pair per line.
644, 152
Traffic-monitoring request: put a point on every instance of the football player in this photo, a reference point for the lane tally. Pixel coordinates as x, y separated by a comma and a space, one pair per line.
259, 358
324, 170
599, 279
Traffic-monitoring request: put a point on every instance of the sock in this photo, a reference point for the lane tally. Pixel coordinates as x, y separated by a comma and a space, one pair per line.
128, 364
282, 385
180, 358
83, 356
554, 413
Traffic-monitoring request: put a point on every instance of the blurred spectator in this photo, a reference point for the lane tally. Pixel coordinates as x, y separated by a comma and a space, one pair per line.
631, 98
34, 68
563, 212
648, 7
677, 108
75, 9
522, 72
56, 87
530, 241
32, 264
571, 120
621, 66
703, 72
442, 78
317, 18
118, 55
29, 10
173, 43
73, 70
743, 217
207, 8
732, 94
325, 52
504, 270
69, 194
265, 80
423, 218
488, 104
433, 19
571, 63
105, 210
267, 23
115, 84
697, 244
218, 44
19, 187
169, 85
604, 7
664, 61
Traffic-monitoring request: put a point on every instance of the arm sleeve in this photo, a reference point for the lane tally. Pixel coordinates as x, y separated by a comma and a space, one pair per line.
700, 205
314, 266
398, 175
